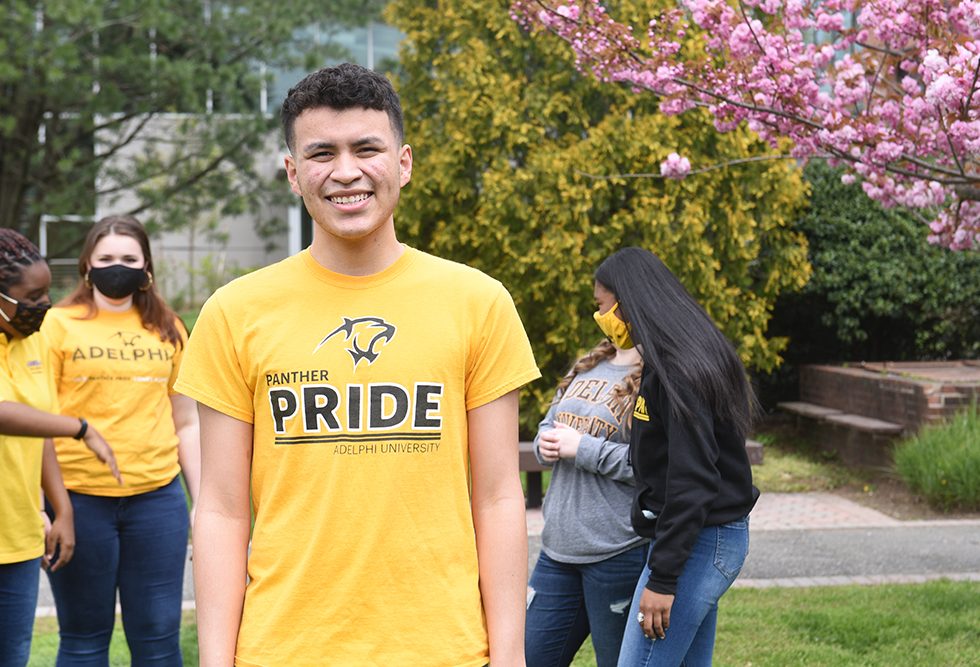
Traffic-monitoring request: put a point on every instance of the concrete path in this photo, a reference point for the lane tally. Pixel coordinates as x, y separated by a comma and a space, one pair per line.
820, 539
809, 539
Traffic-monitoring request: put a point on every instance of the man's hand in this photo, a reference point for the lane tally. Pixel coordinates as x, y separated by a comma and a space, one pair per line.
655, 608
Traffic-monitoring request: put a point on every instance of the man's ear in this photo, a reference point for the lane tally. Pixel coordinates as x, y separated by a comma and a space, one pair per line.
290, 163
405, 165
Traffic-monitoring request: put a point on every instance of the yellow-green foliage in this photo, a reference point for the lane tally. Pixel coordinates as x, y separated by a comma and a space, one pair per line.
516, 157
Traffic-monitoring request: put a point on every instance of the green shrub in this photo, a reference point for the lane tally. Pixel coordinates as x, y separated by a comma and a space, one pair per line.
879, 291
942, 463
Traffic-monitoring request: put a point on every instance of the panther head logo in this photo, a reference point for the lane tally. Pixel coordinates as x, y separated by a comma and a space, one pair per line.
366, 335
128, 338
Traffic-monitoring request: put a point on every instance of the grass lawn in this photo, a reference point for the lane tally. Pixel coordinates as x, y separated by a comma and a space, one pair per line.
914, 625
891, 626
793, 465
44, 647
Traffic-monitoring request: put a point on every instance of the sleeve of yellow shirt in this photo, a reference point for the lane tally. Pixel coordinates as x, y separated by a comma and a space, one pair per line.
53, 331
210, 369
178, 356
500, 357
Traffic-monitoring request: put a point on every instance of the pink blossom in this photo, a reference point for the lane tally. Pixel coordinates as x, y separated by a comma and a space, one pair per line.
933, 63
944, 92
570, 12
675, 106
830, 22
888, 151
770, 6
675, 166
908, 125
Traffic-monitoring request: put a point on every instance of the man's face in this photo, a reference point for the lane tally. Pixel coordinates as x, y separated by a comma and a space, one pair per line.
349, 169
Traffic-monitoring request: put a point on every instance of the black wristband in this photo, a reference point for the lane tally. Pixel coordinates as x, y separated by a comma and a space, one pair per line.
82, 429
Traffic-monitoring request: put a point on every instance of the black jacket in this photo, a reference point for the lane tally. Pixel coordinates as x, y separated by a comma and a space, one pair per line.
690, 473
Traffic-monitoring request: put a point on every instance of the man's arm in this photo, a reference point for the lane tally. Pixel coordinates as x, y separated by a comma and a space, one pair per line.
221, 529
501, 526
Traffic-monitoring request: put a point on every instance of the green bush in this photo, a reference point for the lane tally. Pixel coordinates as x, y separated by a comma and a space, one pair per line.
879, 291
942, 463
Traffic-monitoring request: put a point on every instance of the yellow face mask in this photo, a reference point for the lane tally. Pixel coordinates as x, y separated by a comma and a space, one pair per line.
616, 330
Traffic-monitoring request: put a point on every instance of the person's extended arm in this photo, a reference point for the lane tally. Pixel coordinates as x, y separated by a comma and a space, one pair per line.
501, 527
60, 536
20, 419
188, 442
221, 528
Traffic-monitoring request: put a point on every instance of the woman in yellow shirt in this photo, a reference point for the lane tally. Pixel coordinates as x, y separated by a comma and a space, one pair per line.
28, 419
116, 347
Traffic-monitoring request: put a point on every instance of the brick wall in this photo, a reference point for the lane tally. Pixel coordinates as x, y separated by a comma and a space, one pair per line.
907, 401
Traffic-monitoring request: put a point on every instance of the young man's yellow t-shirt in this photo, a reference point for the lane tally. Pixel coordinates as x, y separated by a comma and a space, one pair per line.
363, 548
25, 377
119, 375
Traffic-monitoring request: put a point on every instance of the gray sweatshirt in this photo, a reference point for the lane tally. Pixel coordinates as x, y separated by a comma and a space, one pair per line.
587, 506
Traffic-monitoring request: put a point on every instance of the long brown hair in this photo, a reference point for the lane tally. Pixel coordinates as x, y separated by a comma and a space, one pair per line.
624, 391
154, 312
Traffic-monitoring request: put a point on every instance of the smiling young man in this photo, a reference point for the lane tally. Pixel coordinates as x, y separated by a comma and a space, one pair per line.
364, 395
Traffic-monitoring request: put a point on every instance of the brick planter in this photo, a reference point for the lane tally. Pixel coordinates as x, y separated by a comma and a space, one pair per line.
908, 393
861, 410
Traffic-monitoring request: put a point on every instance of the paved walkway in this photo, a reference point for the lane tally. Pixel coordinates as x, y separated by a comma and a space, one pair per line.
820, 539
810, 539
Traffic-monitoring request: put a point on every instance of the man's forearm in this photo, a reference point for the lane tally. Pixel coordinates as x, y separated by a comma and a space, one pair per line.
501, 544
220, 552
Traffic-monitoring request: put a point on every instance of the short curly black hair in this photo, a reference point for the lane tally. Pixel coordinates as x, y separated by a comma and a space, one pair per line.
345, 86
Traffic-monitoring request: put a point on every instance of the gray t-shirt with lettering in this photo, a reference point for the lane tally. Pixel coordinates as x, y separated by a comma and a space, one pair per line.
587, 506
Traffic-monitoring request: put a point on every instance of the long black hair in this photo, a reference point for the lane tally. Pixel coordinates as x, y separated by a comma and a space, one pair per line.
676, 338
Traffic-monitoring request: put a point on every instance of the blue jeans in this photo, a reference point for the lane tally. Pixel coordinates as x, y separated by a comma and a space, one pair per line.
715, 561
18, 600
137, 545
570, 600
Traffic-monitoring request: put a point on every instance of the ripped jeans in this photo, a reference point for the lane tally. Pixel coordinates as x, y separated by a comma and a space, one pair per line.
568, 601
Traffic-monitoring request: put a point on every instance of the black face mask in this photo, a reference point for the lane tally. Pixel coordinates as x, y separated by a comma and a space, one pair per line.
118, 281
27, 319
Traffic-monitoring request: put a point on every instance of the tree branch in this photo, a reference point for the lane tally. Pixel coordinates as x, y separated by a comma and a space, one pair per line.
208, 168
703, 170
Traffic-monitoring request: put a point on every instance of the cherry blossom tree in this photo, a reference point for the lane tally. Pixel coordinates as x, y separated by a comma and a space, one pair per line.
886, 88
